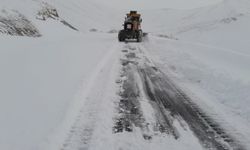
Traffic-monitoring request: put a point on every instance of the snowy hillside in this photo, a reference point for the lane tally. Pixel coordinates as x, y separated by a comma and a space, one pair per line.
226, 22
78, 15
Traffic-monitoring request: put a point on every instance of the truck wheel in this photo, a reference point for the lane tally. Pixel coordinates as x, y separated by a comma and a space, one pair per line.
139, 36
121, 36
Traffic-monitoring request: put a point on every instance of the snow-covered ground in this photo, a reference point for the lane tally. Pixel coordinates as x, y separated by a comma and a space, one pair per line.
41, 77
56, 75
210, 57
39, 80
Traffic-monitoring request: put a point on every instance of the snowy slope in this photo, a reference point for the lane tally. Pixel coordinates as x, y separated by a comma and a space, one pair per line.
81, 14
86, 14
225, 22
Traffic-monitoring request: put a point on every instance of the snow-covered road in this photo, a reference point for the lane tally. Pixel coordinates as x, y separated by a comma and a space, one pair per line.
92, 126
131, 104
66, 83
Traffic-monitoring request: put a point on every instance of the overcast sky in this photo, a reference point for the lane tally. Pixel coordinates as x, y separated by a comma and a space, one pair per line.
151, 4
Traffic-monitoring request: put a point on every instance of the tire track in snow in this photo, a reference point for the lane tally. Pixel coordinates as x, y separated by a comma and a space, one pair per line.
130, 111
80, 135
169, 103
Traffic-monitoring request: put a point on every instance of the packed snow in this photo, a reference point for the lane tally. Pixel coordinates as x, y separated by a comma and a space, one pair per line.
60, 62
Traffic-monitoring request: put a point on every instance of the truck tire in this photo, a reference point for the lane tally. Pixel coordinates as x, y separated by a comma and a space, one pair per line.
121, 36
139, 36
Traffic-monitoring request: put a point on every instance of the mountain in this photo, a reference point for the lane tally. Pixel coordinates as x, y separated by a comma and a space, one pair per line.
78, 15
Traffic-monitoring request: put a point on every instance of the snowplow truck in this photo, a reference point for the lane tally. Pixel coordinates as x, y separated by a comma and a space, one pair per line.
132, 27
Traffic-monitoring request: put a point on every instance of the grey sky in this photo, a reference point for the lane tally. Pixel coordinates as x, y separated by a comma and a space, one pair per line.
149, 4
